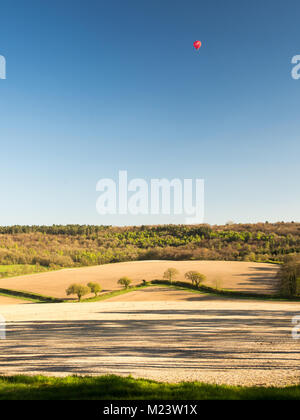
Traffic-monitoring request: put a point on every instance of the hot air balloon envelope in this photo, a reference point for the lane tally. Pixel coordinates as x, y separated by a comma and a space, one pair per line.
197, 44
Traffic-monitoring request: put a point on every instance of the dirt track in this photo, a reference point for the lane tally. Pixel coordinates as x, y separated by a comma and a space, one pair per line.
241, 276
184, 337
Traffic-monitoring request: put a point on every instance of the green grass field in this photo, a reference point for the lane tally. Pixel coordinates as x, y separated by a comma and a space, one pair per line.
112, 387
20, 269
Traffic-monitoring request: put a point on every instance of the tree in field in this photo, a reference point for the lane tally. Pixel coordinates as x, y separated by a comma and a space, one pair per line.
289, 275
78, 289
195, 277
218, 283
298, 286
95, 288
125, 281
170, 274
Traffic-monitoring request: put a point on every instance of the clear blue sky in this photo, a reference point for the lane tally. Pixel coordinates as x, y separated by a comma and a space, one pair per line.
94, 87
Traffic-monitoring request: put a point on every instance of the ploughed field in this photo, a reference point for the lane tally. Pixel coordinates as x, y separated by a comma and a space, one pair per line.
237, 276
158, 333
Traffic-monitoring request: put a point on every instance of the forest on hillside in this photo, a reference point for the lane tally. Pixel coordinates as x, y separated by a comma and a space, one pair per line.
81, 245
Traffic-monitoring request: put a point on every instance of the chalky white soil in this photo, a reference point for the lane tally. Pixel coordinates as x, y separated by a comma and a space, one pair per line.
156, 333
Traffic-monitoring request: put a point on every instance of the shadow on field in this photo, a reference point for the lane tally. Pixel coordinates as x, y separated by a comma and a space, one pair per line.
154, 339
262, 279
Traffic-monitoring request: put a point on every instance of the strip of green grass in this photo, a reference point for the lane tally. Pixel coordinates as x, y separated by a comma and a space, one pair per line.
179, 285
29, 296
113, 387
114, 293
222, 292
9, 295
37, 298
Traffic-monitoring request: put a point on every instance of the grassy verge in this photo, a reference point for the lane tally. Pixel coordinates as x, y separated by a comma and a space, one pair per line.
29, 296
221, 292
177, 285
114, 293
113, 387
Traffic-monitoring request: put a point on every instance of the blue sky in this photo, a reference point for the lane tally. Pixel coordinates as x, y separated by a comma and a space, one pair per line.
94, 87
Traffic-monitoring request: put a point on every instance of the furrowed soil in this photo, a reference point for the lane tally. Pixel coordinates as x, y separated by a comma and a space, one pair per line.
237, 276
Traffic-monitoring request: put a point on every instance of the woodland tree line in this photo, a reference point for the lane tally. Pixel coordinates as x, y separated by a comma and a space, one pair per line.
82, 245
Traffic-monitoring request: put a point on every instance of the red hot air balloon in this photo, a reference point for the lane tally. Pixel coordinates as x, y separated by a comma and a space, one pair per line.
197, 45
